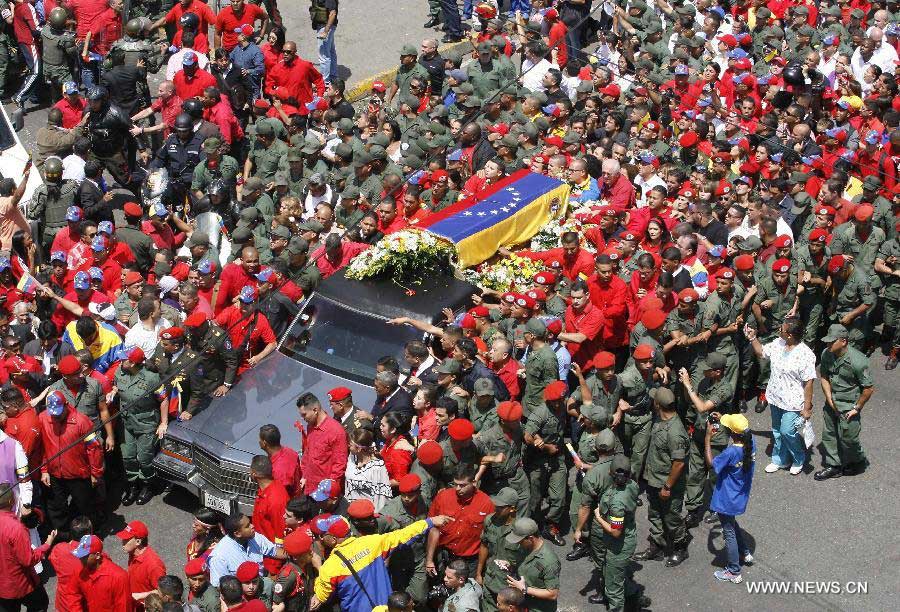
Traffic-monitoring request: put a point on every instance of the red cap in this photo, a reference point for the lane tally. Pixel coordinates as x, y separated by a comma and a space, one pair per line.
461, 429
743, 64
171, 333
262, 103
551, 14
409, 483
611, 90
133, 277
361, 509
744, 262
196, 319
499, 128
195, 567
783, 241
729, 40
429, 452
554, 141
247, 29
525, 301
863, 212
643, 351
134, 529
554, 327
133, 209
604, 359
467, 322
509, 411
653, 319
480, 311
836, 263
818, 235
536, 294
247, 571
555, 390
338, 394
69, 365
781, 265
379, 86
136, 355
689, 139
688, 295
297, 542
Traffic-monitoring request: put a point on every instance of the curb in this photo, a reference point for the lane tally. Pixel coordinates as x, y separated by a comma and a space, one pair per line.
361, 89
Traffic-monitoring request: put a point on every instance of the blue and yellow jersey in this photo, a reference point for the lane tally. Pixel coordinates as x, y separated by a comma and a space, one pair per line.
104, 348
367, 555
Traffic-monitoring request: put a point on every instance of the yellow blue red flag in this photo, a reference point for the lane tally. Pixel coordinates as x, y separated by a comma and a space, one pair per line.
510, 212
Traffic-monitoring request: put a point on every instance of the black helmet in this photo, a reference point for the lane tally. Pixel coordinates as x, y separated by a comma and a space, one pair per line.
793, 75
133, 28
58, 17
189, 21
98, 92
54, 166
193, 107
184, 122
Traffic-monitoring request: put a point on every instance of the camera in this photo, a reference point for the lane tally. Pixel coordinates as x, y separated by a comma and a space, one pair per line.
438, 595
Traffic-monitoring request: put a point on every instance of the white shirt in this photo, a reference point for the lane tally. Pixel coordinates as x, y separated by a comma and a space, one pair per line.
146, 339
73, 168
23, 490
753, 230
645, 185
533, 74
311, 201
176, 62
790, 369
369, 481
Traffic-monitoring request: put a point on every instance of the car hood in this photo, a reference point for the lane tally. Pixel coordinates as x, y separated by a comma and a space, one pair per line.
229, 427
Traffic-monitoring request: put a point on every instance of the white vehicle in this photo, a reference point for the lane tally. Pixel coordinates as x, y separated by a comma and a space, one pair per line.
13, 157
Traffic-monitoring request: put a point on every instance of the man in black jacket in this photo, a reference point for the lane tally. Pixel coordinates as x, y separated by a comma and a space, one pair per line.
466, 353
109, 128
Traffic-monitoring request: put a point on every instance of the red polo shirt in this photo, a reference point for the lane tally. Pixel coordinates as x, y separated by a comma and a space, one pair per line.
200, 9
286, 469
612, 300
106, 588
169, 108
325, 452
231, 281
582, 263
227, 21
18, 577
268, 518
67, 568
462, 536
590, 323
144, 571
71, 113
26, 429
233, 321
192, 87
509, 374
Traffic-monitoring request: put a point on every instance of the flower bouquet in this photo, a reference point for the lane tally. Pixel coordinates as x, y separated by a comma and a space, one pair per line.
504, 275
548, 236
407, 256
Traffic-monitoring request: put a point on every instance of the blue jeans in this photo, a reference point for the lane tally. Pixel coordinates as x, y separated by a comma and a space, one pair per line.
328, 63
734, 542
90, 73
788, 448
520, 5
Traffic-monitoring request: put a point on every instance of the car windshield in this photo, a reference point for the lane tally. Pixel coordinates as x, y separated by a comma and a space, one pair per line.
343, 341
7, 139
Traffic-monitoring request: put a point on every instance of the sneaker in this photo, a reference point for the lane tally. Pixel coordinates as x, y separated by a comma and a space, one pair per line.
795, 469
726, 576
747, 559
773, 467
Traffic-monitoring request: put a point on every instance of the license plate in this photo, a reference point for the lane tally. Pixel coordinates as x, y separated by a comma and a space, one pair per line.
217, 503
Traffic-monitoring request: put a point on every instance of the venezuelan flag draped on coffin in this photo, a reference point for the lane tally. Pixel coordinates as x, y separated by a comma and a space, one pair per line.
510, 212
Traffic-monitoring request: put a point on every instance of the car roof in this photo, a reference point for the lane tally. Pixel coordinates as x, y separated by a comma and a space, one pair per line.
385, 298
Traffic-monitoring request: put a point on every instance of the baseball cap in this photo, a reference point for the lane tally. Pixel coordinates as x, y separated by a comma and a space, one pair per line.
663, 396
134, 529
334, 525
246, 30
88, 545
247, 295
836, 332
74, 214
70, 87
505, 497
522, 528
82, 280
189, 59
327, 489
737, 423
56, 403
58, 256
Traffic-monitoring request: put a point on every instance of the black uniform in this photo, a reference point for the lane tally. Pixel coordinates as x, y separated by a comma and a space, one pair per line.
179, 159
217, 365
111, 140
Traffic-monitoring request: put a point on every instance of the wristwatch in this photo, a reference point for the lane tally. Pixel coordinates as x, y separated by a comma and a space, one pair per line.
666, 487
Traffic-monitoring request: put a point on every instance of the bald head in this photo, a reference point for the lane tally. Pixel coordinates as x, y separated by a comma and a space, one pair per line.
290, 47
876, 34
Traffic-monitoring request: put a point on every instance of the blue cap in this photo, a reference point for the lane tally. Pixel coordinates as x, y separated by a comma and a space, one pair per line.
70, 87
717, 251
457, 75
82, 281
56, 405
248, 294
454, 155
776, 157
264, 275
718, 10
105, 227
682, 70
690, 114
311, 106
87, 545
892, 29
549, 109
416, 177
205, 267
324, 524
4, 263
647, 157
323, 492
704, 102
96, 273
833, 132
737, 54
763, 80
160, 210
58, 256
74, 214
189, 59
849, 156
873, 137
739, 78
98, 243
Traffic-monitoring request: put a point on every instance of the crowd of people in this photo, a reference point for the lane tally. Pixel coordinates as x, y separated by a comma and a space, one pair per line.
730, 244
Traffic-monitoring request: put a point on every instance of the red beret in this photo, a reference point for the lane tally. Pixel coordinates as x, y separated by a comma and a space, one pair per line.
509, 297
781, 265
467, 322
409, 483
554, 326
461, 429
818, 235
836, 263
653, 319
509, 411
555, 390
545, 278
604, 359
261, 103
607, 211
195, 567
863, 212
133, 210
361, 509
480, 311
196, 319
339, 394
247, 571
688, 295
724, 273
783, 241
429, 452
643, 351
136, 355
688, 139
525, 301
826, 210
133, 277
537, 295
69, 365
744, 263
171, 333
297, 542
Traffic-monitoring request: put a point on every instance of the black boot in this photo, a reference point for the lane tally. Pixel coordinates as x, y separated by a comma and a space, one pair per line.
579, 551
678, 556
551, 533
130, 494
651, 553
693, 518
433, 21
828, 472
145, 495
598, 598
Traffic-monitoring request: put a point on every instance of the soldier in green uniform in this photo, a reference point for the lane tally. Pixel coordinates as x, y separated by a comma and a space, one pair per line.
409, 68
407, 563
482, 406
459, 448
171, 360
202, 593
363, 179
216, 368
853, 299
540, 569
614, 514
58, 52
812, 264
145, 419
723, 316
299, 270
714, 394
50, 201
501, 444
218, 166
634, 411
887, 264
776, 296
541, 366
292, 588
498, 558
685, 326
860, 239
847, 386
348, 213
427, 466
484, 73
665, 469
545, 461
267, 155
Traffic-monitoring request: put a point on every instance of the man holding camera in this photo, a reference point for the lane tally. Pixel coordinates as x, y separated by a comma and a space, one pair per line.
464, 592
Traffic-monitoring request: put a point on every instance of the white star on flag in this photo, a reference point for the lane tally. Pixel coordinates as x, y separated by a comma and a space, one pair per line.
481, 214
468, 213
494, 212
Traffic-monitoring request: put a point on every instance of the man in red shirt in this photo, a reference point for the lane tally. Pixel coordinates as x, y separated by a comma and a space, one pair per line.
67, 567
167, 104
615, 187
324, 445
251, 334
584, 323
101, 584
144, 566
19, 583
388, 219
506, 368
71, 234
573, 259
285, 461
108, 28
83, 294
71, 105
112, 271
610, 294
234, 16
292, 80
237, 275
268, 508
202, 10
468, 506
192, 80
336, 254
26, 28
217, 110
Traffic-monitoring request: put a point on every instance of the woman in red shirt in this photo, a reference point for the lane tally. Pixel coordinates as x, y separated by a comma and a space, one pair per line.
397, 452
656, 238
